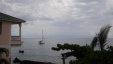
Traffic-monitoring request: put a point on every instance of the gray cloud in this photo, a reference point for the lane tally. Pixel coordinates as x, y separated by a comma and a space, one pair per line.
26, 2
59, 16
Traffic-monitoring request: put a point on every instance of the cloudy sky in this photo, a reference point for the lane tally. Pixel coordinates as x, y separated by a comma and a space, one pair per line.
71, 18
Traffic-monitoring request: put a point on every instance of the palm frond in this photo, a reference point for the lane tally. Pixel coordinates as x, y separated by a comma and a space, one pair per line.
102, 36
94, 42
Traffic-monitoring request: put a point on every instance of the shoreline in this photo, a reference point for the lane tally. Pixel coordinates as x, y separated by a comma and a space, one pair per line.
18, 61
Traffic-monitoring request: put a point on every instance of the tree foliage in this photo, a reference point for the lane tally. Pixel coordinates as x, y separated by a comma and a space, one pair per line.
101, 37
86, 54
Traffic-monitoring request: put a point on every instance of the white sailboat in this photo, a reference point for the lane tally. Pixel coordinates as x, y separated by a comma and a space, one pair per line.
42, 40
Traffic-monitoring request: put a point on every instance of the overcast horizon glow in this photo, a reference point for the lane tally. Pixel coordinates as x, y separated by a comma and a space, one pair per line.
71, 18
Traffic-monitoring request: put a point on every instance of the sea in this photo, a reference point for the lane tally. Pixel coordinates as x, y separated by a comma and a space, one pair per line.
43, 53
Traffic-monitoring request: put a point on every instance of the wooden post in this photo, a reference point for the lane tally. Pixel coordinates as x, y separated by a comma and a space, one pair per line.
20, 31
63, 58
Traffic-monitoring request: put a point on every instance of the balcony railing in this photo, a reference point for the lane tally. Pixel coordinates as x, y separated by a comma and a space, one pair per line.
15, 40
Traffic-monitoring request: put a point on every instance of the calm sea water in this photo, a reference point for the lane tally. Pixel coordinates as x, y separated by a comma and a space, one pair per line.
36, 52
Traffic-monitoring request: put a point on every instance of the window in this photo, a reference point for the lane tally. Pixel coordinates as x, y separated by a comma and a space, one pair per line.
0, 27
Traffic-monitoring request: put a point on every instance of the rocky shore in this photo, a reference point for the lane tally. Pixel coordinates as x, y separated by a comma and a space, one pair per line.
18, 61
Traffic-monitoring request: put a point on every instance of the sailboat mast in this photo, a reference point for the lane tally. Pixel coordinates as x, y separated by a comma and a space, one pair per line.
42, 40
42, 35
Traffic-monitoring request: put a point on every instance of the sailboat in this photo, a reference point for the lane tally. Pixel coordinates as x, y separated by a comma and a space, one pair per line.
42, 40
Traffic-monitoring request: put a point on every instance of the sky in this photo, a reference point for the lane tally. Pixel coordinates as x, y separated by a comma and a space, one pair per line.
60, 18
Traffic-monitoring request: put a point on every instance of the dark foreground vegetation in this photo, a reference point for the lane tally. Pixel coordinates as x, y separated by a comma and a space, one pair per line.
18, 61
98, 52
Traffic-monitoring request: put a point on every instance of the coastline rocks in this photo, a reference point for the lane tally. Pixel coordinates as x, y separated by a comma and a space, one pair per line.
16, 60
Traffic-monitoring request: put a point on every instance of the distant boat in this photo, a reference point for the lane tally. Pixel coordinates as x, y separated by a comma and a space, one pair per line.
21, 51
42, 40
